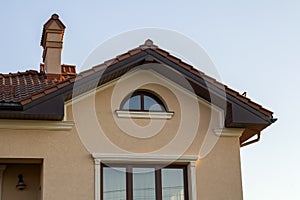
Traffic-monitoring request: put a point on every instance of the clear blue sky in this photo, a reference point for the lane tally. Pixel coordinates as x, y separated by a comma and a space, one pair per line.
255, 46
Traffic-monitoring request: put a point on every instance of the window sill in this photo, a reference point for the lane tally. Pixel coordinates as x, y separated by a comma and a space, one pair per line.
144, 115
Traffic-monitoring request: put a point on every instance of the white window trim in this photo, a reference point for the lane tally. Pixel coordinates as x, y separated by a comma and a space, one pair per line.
144, 114
146, 159
2, 168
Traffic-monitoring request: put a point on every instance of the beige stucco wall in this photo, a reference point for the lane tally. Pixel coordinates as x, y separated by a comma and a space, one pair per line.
68, 169
219, 173
189, 132
183, 133
66, 164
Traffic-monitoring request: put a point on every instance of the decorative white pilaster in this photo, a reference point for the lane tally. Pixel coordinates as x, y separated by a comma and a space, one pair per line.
97, 163
192, 180
2, 168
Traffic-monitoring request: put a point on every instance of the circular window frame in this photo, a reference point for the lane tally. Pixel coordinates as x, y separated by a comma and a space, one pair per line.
144, 93
142, 113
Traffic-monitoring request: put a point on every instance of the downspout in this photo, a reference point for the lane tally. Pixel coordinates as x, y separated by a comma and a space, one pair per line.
252, 141
273, 120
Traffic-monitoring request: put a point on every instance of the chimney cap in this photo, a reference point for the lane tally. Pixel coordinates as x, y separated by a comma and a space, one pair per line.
55, 16
54, 19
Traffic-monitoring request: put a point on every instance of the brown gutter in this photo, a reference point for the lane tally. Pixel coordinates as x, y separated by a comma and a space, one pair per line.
252, 141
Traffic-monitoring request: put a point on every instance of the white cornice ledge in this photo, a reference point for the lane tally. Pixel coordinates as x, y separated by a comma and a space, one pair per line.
229, 132
145, 158
144, 115
36, 125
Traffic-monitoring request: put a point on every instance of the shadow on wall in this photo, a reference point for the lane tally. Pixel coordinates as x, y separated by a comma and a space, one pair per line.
21, 182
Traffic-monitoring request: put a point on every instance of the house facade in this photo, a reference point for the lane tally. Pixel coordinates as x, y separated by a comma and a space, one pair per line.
143, 125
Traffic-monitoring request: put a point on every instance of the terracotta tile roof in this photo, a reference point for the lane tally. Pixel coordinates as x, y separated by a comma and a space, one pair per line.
21, 86
149, 45
24, 87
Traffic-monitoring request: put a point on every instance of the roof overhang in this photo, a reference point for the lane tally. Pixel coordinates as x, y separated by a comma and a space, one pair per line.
238, 113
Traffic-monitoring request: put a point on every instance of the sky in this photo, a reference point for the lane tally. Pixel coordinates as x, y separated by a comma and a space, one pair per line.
254, 45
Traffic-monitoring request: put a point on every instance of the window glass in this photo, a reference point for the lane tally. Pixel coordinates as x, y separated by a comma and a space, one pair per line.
133, 103
172, 184
136, 182
143, 183
143, 101
151, 104
114, 183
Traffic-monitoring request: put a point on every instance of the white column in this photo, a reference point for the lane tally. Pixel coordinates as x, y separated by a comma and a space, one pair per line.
2, 168
192, 180
97, 163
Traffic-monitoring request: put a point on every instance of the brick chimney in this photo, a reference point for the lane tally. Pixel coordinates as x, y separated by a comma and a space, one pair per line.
52, 43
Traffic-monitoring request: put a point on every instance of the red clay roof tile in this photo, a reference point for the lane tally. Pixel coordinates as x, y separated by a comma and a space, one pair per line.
134, 51
21, 86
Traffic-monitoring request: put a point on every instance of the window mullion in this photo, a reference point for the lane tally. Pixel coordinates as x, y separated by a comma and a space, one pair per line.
142, 102
129, 183
158, 184
185, 182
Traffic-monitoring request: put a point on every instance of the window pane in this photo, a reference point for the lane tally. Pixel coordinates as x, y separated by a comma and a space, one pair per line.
172, 184
151, 104
143, 183
114, 183
133, 103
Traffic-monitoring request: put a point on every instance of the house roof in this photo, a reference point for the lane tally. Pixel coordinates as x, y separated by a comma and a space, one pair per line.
149, 45
21, 86
31, 87
26, 86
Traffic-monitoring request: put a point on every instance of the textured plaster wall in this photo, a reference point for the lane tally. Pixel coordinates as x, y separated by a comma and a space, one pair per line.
67, 171
218, 169
219, 173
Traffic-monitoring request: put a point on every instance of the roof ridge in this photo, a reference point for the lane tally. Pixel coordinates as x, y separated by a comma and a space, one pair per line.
31, 71
148, 44
27, 72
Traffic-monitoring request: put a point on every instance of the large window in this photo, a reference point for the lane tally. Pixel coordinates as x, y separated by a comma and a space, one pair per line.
140, 182
143, 100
